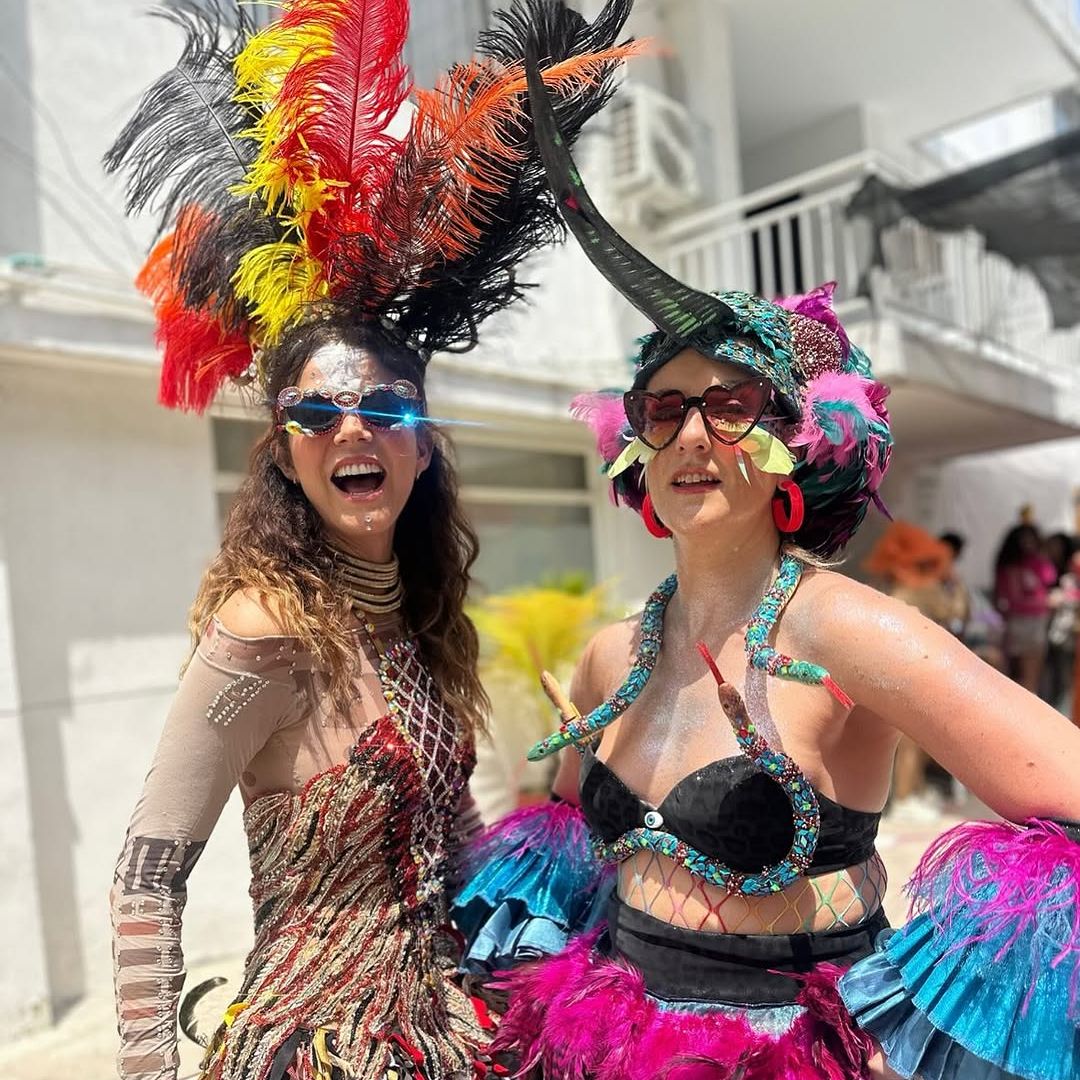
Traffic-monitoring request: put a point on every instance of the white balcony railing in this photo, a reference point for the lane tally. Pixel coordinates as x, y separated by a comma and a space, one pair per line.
950, 285
781, 239
792, 236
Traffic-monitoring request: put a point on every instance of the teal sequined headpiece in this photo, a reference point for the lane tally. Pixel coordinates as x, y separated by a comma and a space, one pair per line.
757, 336
820, 380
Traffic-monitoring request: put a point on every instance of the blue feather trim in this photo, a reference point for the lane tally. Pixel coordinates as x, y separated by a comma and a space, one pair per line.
982, 983
533, 881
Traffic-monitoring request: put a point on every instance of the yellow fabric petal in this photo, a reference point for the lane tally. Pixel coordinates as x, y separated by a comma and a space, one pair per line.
635, 451
324, 1058
233, 1011
768, 453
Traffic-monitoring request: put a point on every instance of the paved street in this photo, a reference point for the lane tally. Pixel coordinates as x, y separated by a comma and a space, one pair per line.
82, 1044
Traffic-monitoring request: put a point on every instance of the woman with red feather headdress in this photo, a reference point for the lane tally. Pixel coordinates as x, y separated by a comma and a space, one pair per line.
314, 254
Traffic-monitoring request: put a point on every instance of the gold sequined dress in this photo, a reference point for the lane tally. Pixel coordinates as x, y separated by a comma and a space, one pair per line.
351, 969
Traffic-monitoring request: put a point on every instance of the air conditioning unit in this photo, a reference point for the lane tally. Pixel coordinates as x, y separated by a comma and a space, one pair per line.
654, 138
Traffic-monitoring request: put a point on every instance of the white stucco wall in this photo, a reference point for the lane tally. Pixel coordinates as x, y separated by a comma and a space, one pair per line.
108, 522
837, 136
84, 78
24, 993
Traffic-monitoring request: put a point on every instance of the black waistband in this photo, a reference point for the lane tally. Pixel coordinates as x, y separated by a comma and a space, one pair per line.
691, 965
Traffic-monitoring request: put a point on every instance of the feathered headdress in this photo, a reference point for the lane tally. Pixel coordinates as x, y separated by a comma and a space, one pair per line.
284, 192
841, 438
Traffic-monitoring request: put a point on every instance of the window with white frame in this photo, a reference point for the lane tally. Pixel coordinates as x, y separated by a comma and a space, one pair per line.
233, 439
531, 508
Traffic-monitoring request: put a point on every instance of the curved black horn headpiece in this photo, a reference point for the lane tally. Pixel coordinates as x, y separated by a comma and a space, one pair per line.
674, 308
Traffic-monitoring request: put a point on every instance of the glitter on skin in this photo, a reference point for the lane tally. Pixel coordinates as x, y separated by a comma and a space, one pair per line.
342, 367
911, 673
756, 697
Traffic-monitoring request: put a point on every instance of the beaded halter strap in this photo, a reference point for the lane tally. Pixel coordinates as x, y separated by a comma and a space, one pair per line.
779, 766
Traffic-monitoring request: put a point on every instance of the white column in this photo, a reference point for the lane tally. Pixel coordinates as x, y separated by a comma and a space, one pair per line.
24, 991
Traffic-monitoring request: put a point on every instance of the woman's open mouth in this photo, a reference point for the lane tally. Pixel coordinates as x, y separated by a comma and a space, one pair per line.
359, 480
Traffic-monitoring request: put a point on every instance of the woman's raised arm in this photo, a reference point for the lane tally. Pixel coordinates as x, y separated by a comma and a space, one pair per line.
1012, 750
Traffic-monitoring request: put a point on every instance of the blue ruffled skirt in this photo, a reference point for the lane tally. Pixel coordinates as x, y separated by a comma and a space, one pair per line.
532, 880
982, 985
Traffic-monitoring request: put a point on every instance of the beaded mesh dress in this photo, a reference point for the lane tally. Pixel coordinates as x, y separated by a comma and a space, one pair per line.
351, 962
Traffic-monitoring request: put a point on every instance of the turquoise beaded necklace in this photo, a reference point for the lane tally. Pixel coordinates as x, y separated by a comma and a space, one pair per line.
779, 766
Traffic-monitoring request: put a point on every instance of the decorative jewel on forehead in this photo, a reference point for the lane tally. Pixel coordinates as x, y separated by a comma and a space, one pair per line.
342, 367
351, 395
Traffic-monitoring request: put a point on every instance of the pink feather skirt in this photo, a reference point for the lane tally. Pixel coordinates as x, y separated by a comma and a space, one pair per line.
582, 1015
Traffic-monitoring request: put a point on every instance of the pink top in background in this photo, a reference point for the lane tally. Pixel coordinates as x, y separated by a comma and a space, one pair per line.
1024, 587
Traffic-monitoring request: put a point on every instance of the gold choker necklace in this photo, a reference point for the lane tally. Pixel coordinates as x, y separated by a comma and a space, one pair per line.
373, 588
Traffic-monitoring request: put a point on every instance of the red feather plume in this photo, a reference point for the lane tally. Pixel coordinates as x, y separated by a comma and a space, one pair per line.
199, 353
329, 117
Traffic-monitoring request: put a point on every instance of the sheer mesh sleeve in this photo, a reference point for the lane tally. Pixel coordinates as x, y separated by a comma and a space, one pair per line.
234, 696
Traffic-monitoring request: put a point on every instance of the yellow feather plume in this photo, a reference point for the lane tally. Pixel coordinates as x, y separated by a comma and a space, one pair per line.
260, 73
278, 280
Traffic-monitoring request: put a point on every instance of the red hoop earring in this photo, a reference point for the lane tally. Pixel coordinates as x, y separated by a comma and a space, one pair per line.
789, 507
655, 526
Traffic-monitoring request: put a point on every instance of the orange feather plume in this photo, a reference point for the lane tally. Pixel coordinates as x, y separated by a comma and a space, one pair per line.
467, 137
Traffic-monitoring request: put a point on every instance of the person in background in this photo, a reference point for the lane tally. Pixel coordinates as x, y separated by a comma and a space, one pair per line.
954, 584
1061, 550
1023, 578
918, 569
984, 627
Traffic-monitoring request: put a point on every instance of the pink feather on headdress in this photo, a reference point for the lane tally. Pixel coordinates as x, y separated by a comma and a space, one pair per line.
603, 412
843, 413
817, 304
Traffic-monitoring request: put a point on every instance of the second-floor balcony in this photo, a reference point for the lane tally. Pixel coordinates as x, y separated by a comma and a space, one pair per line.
965, 338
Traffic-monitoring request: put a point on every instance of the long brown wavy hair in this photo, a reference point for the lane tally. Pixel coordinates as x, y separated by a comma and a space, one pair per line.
274, 543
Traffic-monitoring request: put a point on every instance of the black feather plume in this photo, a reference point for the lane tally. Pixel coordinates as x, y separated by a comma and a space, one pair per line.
183, 147
675, 308
444, 308
182, 144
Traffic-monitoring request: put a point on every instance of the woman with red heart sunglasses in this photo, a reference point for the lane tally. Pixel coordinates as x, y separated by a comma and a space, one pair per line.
712, 847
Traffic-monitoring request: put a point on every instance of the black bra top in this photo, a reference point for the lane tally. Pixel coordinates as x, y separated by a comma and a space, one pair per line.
729, 810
